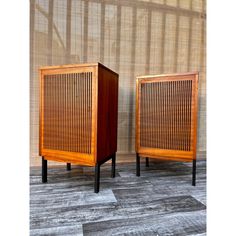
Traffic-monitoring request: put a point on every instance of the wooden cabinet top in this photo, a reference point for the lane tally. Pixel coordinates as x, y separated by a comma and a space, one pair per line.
98, 64
165, 75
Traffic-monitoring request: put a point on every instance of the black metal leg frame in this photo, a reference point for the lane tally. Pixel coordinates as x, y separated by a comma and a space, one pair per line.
68, 166
97, 171
44, 170
147, 164
137, 164
194, 173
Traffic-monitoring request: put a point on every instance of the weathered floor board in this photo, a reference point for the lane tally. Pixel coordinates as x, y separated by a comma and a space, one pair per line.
184, 223
159, 202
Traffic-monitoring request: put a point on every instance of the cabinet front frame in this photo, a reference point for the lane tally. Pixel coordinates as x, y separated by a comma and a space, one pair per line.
166, 153
66, 156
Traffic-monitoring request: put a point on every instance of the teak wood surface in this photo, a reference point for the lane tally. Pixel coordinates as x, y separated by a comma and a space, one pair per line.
166, 116
70, 130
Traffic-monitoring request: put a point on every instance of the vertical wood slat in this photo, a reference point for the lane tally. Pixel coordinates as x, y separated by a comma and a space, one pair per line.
168, 116
73, 110
82, 112
177, 115
161, 118
67, 112
90, 106
158, 117
77, 108
85, 112
184, 118
171, 113
161, 115
181, 116
149, 108
190, 114
165, 114
141, 115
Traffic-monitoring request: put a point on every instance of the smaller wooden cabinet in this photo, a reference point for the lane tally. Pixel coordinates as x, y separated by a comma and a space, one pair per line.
78, 116
166, 118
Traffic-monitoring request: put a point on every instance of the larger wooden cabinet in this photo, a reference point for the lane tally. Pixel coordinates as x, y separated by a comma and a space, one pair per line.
166, 118
78, 116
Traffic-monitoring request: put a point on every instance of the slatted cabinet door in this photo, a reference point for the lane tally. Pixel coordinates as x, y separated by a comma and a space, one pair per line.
68, 101
166, 116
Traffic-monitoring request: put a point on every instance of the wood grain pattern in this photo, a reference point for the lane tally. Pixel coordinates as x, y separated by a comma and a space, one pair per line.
70, 122
166, 116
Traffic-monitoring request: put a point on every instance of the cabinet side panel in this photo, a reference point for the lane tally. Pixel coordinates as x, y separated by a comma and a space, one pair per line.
195, 114
107, 113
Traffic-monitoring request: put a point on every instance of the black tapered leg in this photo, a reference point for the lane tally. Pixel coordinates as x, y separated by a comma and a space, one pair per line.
194, 173
44, 170
68, 166
137, 165
147, 162
113, 166
97, 178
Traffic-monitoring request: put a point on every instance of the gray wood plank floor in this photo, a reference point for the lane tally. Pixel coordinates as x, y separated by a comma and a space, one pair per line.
159, 202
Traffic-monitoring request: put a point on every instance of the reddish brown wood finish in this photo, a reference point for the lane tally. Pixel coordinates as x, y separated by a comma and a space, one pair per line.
107, 113
78, 113
166, 116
